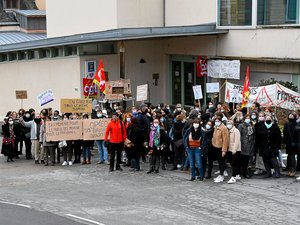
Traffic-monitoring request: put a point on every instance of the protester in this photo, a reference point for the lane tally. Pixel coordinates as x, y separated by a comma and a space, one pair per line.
47, 146
87, 145
8, 143
102, 150
116, 132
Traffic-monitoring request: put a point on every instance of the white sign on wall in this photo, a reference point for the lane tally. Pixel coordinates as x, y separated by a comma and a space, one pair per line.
227, 69
212, 87
142, 93
197, 92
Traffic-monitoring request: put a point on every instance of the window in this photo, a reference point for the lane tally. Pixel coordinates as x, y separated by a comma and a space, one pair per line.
234, 12
270, 12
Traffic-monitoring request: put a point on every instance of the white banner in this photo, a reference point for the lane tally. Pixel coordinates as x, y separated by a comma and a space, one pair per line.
45, 97
197, 92
270, 95
224, 69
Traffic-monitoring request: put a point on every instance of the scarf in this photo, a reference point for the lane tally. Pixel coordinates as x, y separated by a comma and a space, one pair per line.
154, 136
196, 134
11, 131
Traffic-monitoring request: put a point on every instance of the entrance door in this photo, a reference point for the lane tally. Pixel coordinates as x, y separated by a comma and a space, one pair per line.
183, 79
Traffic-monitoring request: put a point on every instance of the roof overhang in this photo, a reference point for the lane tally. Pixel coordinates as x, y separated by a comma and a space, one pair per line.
117, 35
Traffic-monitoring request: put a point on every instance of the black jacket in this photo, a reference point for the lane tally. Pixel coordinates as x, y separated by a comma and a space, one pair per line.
290, 137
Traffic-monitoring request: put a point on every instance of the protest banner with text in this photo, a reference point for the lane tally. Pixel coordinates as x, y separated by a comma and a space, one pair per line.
94, 129
76, 105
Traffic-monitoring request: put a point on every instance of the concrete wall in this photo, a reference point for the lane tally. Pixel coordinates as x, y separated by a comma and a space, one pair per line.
190, 12
261, 43
41, 4
61, 75
139, 13
80, 16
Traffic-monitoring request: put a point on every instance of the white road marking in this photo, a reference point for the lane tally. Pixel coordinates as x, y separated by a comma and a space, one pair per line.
84, 219
16, 204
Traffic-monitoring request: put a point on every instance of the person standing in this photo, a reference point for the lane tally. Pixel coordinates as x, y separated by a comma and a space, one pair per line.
49, 147
247, 131
195, 143
8, 144
269, 143
87, 145
102, 150
220, 145
116, 132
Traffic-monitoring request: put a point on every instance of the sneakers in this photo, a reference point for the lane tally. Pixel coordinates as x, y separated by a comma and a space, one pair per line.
64, 163
298, 178
232, 180
219, 179
225, 173
217, 172
70, 163
238, 177
100, 162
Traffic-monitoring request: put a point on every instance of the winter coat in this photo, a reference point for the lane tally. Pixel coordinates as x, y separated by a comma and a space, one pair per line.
202, 135
43, 137
34, 128
268, 140
177, 130
135, 134
163, 141
234, 140
247, 132
290, 137
116, 132
221, 138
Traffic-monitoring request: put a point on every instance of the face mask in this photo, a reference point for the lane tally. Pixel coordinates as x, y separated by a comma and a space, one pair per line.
65, 118
229, 126
11, 122
261, 118
268, 121
210, 106
197, 109
253, 117
247, 121
241, 118
178, 109
168, 108
162, 120
128, 119
55, 117
183, 121
268, 125
224, 119
27, 115
217, 123
155, 124
222, 110
196, 125
207, 127
99, 115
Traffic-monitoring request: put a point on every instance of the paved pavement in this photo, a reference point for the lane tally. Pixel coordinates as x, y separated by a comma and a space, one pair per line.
91, 193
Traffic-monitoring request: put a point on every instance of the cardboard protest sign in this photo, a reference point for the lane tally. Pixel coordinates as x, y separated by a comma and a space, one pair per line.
94, 129
227, 69
63, 130
76, 105
45, 97
116, 89
197, 92
21, 94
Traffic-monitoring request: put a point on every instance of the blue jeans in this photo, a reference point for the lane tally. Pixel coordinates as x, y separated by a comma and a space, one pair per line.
86, 153
102, 151
136, 163
195, 156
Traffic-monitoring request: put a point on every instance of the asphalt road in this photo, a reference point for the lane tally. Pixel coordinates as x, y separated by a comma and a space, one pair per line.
94, 196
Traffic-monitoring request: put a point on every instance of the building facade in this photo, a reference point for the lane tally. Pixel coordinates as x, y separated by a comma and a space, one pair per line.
157, 39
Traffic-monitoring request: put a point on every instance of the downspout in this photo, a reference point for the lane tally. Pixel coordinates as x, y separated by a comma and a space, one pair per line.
164, 13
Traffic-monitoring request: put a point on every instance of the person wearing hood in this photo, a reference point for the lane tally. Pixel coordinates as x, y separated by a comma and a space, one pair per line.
195, 143
290, 139
269, 143
35, 126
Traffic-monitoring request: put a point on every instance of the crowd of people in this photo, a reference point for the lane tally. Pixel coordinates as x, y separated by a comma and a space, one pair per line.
248, 139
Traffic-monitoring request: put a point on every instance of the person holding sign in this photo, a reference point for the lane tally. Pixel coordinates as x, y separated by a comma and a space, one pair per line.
116, 132
87, 145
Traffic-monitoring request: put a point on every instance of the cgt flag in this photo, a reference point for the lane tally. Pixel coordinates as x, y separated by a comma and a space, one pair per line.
100, 78
246, 90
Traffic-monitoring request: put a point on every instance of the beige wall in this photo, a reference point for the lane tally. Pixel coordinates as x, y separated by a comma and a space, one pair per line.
70, 17
261, 43
190, 12
60, 75
139, 13
41, 4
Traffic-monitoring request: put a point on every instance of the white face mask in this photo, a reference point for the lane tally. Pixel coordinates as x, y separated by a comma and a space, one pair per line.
247, 121
162, 120
184, 120
128, 119
261, 118
208, 127
65, 118
229, 126
11, 122
27, 115
99, 115
155, 124
196, 125
178, 109
253, 117
210, 106
224, 119
217, 123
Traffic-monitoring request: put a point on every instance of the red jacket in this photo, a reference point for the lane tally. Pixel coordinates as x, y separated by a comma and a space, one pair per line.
113, 130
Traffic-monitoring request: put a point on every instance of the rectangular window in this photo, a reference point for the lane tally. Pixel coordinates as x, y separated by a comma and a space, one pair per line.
279, 12
234, 12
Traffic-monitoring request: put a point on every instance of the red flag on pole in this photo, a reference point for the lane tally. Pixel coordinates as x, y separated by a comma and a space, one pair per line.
246, 91
100, 78
201, 67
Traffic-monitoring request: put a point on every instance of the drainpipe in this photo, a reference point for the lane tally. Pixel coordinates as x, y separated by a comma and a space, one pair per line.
164, 13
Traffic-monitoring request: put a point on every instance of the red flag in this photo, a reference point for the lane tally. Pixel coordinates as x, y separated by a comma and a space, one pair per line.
100, 78
201, 67
246, 91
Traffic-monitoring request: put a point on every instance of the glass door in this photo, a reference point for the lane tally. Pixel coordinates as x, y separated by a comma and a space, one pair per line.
176, 86
189, 82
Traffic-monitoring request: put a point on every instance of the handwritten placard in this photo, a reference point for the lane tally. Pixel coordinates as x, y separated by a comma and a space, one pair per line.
21, 94
227, 69
76, 105
212, 87
45, 97
63, 130
94, 129
197, 92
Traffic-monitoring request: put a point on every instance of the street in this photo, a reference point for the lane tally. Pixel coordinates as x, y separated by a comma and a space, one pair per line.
91, 195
